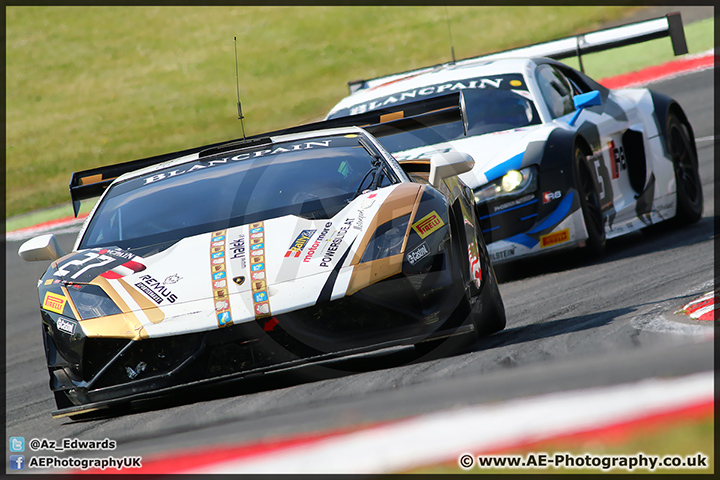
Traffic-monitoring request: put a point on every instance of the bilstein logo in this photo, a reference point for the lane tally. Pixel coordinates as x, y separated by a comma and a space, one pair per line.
428, 224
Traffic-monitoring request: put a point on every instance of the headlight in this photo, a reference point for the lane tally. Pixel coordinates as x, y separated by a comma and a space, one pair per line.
387, 240
515, 182
91, 301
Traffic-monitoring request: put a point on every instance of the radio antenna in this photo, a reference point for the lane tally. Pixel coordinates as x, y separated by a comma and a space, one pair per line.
237, 82
452, 48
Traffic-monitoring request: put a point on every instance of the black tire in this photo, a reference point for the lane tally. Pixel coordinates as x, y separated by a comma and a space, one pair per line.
687, 178
590, 205
490, 317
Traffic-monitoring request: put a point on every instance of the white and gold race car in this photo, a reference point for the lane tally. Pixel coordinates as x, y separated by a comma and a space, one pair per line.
259, 255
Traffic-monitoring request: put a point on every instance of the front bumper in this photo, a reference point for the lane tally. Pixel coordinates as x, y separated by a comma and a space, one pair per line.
532, 224
87, 373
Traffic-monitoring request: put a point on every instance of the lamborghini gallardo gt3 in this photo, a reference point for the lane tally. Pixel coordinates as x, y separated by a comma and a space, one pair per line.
255, 256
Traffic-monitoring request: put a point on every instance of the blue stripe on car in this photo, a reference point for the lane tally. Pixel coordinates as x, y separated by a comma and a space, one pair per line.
508, 209
522, 239
498, 171
556, 217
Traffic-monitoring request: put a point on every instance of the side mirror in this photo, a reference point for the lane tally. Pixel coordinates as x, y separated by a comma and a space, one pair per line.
443, 165
583, 101
44, 247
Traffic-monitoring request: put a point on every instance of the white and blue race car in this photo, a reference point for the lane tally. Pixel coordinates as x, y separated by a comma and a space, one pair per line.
561, 161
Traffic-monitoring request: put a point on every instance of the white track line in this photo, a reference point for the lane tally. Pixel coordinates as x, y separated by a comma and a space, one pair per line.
444, 436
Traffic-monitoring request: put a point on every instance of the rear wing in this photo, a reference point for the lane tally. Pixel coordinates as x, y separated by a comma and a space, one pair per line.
93, 182
425, 113
668, 26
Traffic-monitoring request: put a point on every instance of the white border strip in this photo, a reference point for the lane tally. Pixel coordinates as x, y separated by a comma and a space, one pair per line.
444, 436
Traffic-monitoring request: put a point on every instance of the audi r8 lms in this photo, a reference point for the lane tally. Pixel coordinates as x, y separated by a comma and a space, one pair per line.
561, 161
258, 255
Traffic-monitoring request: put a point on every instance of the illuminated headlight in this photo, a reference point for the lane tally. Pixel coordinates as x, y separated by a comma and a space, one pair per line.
514, 182
387, 239
91, 301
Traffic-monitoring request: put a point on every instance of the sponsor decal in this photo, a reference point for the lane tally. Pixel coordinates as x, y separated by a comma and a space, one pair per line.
172, 279
155, 289
203, 164
368, 201
418, 253
360, 219
316, 244
257, 267
224, 318
54, 302
298, 244
66, 326
555, 238
497, 82
550, 196
512, 203
335, 243
618, 161
502, 254
219, 284
428, 224
237, 249
475, 270
239, 280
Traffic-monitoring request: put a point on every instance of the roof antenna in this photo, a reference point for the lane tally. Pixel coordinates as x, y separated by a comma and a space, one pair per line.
237, 82
452, 48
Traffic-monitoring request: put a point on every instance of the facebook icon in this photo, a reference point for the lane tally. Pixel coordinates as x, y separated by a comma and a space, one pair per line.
17, 462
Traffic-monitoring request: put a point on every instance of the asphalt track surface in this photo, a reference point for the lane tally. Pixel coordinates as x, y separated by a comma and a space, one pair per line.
573, 323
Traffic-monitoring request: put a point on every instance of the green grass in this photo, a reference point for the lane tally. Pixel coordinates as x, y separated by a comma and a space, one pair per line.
684, 438
92, 86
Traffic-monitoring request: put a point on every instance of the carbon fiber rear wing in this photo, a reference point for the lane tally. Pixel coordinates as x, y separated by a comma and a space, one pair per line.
425, 113
668, 26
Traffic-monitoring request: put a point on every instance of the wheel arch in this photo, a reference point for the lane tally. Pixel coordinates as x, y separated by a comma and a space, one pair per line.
664, 106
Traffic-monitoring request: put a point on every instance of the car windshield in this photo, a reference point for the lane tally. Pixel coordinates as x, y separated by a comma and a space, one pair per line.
488, 110
312, 178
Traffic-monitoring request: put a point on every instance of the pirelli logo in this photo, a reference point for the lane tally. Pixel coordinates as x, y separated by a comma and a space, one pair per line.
428, 224
54, 302
555, 238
